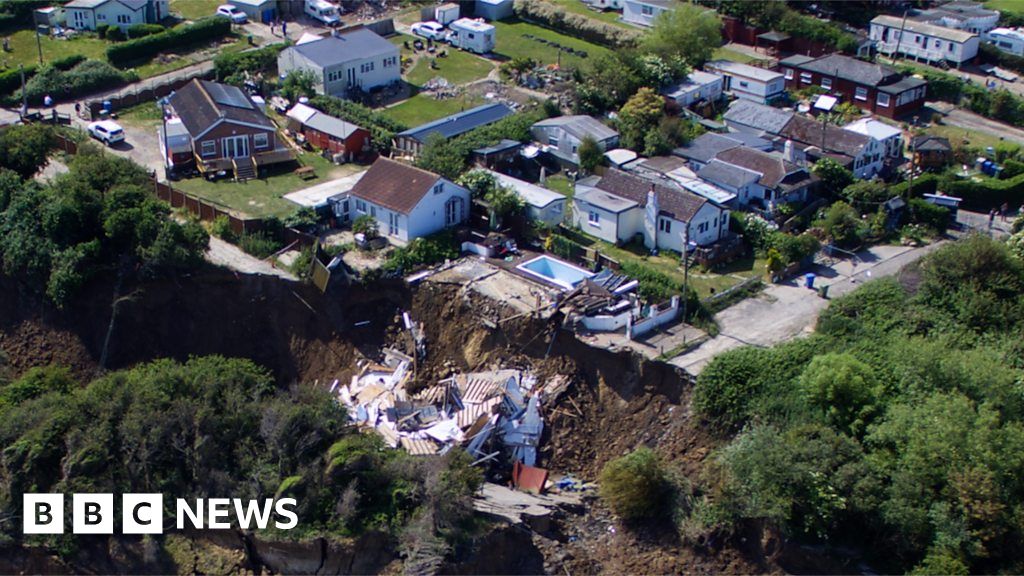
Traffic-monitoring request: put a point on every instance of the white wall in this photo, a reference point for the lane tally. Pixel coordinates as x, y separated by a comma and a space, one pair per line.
634, 12
869, 163
429, 217
80, 19
659, 318
923, 46
552, 214
109, 12
1010, 44
381, 75
606, 228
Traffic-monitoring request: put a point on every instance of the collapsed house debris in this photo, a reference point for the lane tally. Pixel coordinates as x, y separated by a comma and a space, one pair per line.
488, 413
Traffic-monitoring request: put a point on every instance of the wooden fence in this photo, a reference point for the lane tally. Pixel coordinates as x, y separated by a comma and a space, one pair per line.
208, 212
145, 91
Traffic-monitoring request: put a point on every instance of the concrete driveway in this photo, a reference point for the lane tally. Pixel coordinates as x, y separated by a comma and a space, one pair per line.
788, 310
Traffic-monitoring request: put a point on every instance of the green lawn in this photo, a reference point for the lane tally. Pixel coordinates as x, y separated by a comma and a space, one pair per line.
457, 67
195, 9
578, 7
263, 197
423, 108
143, 115
190, 54
668, 263
723, 53
559, 183
974, 138
25, 51
1013, 6
512, 44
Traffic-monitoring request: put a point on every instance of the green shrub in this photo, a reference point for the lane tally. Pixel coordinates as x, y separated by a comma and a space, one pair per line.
221, 228
36, 382
577, 25
422, 252
727, 389
935, 218
84, 78
115, 34
231, 67
101, 30
259, 244
142, 49
10, 80
366, 225
638, 487
68, 62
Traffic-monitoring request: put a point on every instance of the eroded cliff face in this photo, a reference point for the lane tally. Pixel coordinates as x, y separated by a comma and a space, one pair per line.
616, 402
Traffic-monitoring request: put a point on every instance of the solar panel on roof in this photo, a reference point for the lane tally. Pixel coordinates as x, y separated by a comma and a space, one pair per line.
228, 96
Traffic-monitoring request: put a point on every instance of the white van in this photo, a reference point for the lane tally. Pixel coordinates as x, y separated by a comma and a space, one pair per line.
323, 11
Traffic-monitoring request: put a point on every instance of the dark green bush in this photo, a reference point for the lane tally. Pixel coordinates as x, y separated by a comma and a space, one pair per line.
259, 244
84, 78
638, 487
142, 30
424, 251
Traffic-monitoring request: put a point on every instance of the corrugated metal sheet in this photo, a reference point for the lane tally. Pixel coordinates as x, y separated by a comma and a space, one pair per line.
419, 447
469, 415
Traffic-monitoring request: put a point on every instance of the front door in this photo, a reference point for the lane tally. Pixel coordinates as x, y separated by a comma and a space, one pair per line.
235, 146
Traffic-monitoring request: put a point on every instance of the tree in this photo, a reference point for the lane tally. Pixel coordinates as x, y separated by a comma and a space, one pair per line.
842, 224
638, 117
727, 388
608, 81
24, 148
637, 486
590, 153
503, 202
843, 389
834, 178
1016, 244
299, 83
442, 156
478, 182
866, 195
688, 32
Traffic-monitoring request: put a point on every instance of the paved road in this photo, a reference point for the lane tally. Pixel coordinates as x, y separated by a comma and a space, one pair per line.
785, 311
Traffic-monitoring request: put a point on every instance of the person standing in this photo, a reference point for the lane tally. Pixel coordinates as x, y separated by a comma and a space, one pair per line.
991, 217
1004, 210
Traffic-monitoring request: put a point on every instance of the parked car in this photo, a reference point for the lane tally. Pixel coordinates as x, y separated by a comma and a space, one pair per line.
430, 30
106, 131
229, 11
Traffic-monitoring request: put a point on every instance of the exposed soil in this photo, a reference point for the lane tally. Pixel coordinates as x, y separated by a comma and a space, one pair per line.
616, 402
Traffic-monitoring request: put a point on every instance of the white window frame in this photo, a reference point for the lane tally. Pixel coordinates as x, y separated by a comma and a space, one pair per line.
860, 93
885, 103
208, 148
257, 137
788, 72
826, 83
646, 10
665, 225
806, 78
593, 218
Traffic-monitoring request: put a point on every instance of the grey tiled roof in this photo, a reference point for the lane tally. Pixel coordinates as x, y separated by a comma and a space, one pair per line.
758, 116
355, 45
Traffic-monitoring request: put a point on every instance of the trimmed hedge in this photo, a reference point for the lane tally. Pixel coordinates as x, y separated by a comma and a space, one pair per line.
143, 49
136, 31
577, 25
980, 196
10, 80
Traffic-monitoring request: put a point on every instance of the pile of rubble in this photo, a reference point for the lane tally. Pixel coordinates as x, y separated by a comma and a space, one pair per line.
487, 413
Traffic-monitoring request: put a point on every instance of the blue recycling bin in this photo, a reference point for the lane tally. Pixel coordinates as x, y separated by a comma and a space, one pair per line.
809, 280
108, 106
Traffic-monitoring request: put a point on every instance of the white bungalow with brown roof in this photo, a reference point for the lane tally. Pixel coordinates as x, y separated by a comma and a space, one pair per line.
408, 202
621, 207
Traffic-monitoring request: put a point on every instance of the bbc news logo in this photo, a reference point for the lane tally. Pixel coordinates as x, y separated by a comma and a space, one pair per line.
143, 513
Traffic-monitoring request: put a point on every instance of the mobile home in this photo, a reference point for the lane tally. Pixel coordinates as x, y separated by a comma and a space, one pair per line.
472, 35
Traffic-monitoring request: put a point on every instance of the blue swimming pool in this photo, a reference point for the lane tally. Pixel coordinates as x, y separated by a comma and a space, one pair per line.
554, 270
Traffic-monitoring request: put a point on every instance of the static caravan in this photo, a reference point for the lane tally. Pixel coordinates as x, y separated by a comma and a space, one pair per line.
323, 11
472, 35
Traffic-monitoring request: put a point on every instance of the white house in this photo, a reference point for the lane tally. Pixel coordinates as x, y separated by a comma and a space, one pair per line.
923, 41
346, 63
1009, 40
695, 87
644, 12
88, 14
621, 207
408, 202
748, 82
542, 205
890, 137
561, 136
